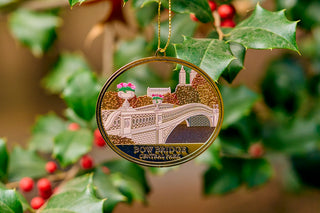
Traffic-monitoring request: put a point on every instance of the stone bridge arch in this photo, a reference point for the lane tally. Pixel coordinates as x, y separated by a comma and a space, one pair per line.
167, 127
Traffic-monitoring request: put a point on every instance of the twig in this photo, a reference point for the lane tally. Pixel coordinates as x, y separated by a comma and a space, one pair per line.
70, 174
217, 24
243, 156
65, 176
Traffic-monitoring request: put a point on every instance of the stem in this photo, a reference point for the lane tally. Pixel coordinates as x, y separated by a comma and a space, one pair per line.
65, 176
217, 24
243, 156
70, 174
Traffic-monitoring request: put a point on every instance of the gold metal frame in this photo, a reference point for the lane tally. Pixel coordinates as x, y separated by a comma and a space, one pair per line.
142, 61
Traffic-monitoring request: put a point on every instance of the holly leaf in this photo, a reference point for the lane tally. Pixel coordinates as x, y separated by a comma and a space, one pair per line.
25, 163
211, 55
130, 170
129, 187
237, 103
34, 29
140, 3
4, 159
44, 131
78, 184
130, 179
256, 172
146, 14
9, 202
4, 3
75, 202
265, 30
67, 66
296, 137
161, 170
199, 7
222, 181
73, 117
106, 189
236, 139
74, 2
69, 146
81, 94
128, 51
24, 202
239, 52
211, 156
288, 89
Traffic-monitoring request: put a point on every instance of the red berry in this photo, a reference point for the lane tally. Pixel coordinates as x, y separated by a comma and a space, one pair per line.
26, 184
226, 11
256, 150
105, 170
51, 167
37, 202
193, 17
45, 194
44, 185
86, 162
98, 139
213, 5
73, 127
228, 23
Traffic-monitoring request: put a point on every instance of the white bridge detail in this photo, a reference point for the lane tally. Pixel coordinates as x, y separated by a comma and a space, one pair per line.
150, 124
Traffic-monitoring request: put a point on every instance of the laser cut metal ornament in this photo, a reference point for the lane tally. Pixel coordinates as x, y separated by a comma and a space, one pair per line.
159, 123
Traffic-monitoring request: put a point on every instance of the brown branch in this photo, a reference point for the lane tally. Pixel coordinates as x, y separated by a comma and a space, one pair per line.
70, 174
243, 156
217, 24
65, 176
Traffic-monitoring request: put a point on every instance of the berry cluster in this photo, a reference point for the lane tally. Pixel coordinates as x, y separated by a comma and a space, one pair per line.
44, 190
225, 11
44, 186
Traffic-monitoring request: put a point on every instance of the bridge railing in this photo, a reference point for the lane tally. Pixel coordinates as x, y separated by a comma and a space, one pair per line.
141, 117
142, 120
174, 113
152, 107
116, 123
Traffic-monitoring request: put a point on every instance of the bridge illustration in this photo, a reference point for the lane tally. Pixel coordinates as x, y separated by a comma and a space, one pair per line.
152, 124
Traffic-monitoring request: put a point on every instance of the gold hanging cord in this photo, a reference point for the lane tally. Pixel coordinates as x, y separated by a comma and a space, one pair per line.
163, 50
